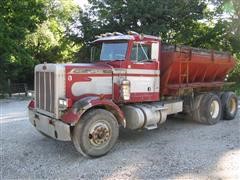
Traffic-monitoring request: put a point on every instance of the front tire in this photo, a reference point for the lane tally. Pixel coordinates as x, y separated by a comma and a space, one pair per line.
96, 133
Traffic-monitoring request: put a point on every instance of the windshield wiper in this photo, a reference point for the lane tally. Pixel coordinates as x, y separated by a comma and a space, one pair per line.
144, 52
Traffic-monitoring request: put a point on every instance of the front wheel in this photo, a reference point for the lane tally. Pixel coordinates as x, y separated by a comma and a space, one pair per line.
96, 133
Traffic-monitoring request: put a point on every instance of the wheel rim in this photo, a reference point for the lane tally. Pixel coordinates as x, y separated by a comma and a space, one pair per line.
214, 109
99, 134
232, 105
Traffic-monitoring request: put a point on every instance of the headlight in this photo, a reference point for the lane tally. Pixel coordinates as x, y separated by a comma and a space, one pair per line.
64, 103
30, 94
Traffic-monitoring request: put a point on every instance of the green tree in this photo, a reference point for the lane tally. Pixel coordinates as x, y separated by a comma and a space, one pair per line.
228, 12
50, 42
32, 32
156, 17
18, 18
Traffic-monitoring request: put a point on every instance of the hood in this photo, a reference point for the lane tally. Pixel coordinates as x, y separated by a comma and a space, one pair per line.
88, 79
84, 68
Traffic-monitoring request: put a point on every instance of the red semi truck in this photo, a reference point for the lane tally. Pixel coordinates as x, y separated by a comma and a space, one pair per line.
133, 81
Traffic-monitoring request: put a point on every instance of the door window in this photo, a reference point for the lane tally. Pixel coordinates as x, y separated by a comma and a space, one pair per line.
141, 52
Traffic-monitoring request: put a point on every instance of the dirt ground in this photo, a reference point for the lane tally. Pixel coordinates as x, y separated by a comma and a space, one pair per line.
179, 149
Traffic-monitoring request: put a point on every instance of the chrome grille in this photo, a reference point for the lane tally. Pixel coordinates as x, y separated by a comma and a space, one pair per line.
45, 88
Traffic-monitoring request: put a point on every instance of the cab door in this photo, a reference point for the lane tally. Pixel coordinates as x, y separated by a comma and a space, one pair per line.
143, 71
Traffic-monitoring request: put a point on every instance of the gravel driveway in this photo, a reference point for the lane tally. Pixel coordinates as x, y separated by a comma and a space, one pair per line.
178, 149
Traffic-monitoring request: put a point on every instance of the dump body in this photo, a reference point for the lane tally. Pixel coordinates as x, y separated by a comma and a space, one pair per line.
192, 68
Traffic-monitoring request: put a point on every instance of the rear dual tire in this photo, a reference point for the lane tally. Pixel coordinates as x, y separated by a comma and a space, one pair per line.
207, 109
210, 108
229, 105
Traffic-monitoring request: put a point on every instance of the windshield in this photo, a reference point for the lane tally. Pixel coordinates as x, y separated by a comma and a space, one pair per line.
108, 51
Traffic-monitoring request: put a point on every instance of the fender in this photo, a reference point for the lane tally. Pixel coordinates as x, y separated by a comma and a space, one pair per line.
74, 114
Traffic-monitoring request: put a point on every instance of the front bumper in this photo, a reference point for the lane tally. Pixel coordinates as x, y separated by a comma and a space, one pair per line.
49, 126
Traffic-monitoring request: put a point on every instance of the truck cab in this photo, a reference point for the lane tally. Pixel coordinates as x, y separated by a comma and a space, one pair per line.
87, 102
130, 57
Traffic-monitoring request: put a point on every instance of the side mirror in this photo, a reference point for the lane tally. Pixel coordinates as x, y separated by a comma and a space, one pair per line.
155, 50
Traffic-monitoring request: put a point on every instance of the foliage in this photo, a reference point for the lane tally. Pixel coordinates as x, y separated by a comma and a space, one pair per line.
156, 17
31, 32
50, 42
18, 18
234, 88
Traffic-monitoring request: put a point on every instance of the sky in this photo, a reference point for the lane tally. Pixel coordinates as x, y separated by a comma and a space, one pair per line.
81, 3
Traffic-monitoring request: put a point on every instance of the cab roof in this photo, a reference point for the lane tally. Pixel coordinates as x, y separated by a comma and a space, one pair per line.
115, 37
119, 36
